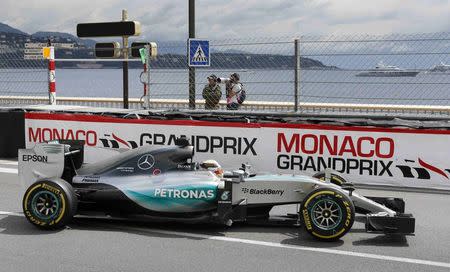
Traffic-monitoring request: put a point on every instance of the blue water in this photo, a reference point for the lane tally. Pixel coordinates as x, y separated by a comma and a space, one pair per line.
339, 86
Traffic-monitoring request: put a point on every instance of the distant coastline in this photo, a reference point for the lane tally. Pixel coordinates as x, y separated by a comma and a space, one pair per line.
12, 44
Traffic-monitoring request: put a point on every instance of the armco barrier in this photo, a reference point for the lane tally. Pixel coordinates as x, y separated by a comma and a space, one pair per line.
254, 106
12, 134
385, 155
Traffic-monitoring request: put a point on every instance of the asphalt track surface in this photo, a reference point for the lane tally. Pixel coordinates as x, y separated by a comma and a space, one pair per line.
93, 244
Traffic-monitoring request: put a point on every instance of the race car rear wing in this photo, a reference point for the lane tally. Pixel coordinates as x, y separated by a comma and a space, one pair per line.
75, 152
51, 159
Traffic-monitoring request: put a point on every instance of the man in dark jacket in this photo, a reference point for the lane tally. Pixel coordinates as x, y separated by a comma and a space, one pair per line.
212, 93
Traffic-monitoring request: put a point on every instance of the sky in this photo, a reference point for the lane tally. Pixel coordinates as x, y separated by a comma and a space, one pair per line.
167, 19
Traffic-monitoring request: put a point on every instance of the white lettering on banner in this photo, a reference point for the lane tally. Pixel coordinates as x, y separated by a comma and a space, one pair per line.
376, 156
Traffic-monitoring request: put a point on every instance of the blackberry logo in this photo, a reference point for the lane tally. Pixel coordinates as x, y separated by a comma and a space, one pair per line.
262, 191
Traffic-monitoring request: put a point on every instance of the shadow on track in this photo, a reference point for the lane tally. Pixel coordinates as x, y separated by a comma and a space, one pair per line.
145, 228
304, 239
383, 240
297, 236
18, 225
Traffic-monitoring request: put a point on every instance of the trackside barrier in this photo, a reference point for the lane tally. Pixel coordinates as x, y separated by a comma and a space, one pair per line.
263, 106
385, 155
12, 136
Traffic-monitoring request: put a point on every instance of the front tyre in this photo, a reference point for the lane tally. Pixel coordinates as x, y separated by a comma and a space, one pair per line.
327, 214
334, 178
49, 204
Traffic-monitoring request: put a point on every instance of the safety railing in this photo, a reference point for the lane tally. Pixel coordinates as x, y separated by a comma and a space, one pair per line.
249, 106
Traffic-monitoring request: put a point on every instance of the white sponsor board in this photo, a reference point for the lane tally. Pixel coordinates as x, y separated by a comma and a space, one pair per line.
33, 51
33, 57
56, 45
387, 156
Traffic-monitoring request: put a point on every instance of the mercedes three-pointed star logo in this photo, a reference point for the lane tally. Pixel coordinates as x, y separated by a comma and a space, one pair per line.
146, 162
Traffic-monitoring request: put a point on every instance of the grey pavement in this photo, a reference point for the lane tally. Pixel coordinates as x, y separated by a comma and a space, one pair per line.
93, 244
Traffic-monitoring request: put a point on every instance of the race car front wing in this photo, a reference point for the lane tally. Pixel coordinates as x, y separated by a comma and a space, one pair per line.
382, 223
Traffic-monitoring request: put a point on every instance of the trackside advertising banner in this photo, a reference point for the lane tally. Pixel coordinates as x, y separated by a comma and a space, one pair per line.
385, 156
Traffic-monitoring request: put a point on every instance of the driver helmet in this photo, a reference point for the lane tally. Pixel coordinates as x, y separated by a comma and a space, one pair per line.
213, 166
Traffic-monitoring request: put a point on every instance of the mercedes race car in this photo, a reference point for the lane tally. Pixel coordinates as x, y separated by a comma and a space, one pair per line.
165, 184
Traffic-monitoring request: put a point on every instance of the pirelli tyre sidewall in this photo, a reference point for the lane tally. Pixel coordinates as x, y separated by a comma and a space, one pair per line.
334, 178
328, 203
49, 203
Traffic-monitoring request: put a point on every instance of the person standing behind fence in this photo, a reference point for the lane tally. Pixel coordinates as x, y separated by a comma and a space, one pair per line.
212, 93
233, 90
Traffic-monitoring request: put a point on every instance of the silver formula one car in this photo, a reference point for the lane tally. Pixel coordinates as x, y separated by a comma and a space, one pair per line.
165, 184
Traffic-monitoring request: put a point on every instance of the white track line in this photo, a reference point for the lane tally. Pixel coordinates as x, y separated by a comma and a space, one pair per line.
11, 213
5, 162
303, 248
278, 245
9, 170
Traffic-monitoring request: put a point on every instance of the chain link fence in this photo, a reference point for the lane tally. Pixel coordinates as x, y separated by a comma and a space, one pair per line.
392, 69
20, 76
265, 68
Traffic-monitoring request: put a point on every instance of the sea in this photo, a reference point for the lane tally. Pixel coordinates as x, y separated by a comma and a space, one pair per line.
325, 86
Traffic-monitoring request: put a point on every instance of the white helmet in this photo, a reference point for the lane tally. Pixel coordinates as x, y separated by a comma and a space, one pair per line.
213, 166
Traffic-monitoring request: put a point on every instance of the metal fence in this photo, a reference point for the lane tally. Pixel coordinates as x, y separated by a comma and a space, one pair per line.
410, 70
19, 76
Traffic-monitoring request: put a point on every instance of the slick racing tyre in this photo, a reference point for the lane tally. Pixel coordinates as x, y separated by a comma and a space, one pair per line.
327, 214
334, 178
50, 203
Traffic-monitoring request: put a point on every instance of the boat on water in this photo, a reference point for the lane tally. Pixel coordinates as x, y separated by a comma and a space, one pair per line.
440, 69
382, 70
89, 65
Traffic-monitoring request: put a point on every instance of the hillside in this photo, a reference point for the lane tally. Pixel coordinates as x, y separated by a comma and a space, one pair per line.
171, 53
8, 29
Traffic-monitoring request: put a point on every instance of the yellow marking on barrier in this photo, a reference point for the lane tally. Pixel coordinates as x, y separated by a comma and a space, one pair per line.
46, 52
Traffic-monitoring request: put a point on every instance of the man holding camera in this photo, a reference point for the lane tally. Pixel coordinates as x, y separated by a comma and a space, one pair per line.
212, 93
233, 91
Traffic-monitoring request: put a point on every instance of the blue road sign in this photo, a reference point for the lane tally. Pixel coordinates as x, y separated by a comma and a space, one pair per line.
198, 53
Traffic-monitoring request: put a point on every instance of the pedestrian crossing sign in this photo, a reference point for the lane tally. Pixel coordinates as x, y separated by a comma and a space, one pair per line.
198, 52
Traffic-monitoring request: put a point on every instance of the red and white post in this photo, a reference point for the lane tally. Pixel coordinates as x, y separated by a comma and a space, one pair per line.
145, 85
146, 82
51, 76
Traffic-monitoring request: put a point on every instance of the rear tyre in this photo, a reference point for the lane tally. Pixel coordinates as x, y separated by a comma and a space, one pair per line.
327, 214
49, 204
334, 178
